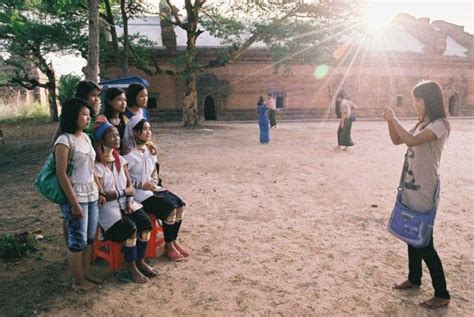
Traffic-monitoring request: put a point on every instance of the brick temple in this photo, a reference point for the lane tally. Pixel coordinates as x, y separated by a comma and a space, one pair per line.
374, 71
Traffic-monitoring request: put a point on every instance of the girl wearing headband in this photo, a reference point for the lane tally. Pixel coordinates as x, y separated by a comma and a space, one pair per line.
165, 205
121, 218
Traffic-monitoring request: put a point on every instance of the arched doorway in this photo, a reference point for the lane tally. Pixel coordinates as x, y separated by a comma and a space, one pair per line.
209, 108
453, 105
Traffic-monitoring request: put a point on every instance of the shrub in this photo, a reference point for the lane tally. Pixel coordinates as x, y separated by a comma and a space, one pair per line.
67, 86
36, 111
17, 245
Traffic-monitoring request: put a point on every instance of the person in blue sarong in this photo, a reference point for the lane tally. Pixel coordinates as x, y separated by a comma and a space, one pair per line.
263, 121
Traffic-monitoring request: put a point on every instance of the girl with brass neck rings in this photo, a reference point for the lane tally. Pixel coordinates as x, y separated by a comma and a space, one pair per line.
121, 218
420, 179
81, 212
157, 200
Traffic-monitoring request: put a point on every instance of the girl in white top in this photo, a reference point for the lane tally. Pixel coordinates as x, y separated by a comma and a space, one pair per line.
81, 211
425, 144
165, 205
121, 218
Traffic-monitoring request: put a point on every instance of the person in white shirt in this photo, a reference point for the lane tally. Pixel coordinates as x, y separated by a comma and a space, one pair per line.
121, 218
345, 126
420, 179
81, 211
164, 204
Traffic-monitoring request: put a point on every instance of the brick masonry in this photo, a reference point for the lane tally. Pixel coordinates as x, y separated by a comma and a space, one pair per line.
373, 80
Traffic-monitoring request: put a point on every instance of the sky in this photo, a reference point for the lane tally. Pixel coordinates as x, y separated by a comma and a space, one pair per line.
457, 12
378, 12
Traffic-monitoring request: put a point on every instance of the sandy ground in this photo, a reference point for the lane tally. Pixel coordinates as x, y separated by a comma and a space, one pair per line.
294, 227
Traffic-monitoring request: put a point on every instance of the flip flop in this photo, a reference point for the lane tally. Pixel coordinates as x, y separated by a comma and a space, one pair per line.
183, 252
174, 256
124, 277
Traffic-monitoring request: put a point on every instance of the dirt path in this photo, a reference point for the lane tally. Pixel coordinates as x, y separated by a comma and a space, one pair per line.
292, 227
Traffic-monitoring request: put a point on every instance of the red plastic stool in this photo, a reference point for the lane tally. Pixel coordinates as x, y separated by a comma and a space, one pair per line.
156, 237
109, 251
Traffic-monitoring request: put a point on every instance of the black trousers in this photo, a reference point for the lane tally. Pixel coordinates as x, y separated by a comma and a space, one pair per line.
433, 262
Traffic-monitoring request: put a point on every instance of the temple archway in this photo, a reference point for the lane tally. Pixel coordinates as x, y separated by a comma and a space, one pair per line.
453, 105
209, 108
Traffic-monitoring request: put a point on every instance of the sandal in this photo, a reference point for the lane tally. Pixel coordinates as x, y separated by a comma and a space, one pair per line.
181, 250
124, 277
174, 256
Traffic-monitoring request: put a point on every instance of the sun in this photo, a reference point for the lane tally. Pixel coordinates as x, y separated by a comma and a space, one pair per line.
376, 16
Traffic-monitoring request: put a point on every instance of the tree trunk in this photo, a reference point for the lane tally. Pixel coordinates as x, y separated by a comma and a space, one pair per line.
91, 71
126, 40
52, 96
115, 43
190, 109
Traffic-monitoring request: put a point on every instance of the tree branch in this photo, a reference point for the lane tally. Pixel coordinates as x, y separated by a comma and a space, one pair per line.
174, 12
251, 40
27, 82
145, 68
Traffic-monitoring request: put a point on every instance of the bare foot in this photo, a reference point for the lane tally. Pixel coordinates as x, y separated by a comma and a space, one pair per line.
435, 302
172, 253
94, 279
181, 249
405, 285
137, 276
85, 285
146, 269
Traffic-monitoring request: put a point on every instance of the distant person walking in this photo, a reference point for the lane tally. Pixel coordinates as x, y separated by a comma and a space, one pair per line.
345, 125
271, 104
420, 179
263, 123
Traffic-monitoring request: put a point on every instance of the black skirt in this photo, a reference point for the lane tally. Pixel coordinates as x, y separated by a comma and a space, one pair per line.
123, 229
344, 134
161, 204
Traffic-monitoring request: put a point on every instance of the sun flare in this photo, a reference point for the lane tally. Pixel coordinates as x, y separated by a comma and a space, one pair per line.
376, 17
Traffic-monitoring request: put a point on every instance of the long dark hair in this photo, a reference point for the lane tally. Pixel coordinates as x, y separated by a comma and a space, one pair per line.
83, 90
110, 95
261, 101
70, 113
432, 95
132, 91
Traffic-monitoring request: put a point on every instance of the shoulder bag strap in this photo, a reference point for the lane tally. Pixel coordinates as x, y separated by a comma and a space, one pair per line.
401, 184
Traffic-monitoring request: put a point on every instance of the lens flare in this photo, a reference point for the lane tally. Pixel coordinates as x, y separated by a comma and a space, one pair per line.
321, 71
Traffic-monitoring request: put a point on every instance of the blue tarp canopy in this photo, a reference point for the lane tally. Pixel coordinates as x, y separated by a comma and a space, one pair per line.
123, 82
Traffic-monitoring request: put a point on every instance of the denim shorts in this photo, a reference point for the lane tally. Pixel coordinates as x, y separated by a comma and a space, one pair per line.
81, 232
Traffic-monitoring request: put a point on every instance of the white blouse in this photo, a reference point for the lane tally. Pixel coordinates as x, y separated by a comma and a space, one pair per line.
83, 157
141, 166
113, 180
